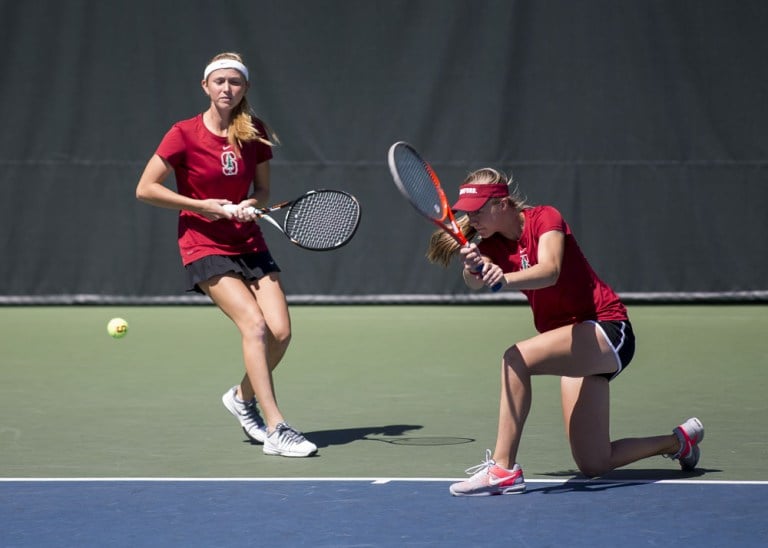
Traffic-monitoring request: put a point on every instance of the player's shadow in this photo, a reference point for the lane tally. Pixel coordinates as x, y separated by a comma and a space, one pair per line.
616, 479
343, 436
640, 474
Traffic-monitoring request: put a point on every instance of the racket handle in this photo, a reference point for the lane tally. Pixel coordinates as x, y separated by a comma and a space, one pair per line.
495, 287
231, 208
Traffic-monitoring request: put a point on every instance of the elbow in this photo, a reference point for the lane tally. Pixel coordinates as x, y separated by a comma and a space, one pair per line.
141, 194
553, 277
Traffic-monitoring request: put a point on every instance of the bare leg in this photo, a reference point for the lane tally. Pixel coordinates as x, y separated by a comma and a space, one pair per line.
269, 294
586, 403
239, 301
514, 406
577, 350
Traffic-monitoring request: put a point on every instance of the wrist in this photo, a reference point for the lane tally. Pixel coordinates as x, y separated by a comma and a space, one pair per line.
475, 271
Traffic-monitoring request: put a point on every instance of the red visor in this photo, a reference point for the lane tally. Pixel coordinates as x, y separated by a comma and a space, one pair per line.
473, 196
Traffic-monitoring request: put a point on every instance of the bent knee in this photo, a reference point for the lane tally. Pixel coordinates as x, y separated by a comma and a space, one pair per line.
512, 357
594, 467
282, 336
254, 329
514, 361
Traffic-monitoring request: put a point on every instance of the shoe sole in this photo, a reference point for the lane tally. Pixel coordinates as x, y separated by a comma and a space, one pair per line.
297, 454
688, 466
225, 400
515, 490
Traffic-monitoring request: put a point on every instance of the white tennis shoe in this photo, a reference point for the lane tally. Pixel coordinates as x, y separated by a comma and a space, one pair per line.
286, 441
247, 413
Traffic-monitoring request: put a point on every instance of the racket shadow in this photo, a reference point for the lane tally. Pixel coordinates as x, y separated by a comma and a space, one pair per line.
343, 436
424, 441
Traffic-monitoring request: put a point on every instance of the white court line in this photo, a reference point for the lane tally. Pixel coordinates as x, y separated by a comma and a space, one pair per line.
375, 481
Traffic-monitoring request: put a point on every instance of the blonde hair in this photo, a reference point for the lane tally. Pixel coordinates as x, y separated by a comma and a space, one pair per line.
442, 246
241, 126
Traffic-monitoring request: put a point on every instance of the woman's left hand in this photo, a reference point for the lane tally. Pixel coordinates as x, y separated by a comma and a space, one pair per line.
245, 212
493, 275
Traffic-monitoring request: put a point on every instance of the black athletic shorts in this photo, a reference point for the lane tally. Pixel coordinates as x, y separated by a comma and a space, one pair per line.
251, 266
620, 336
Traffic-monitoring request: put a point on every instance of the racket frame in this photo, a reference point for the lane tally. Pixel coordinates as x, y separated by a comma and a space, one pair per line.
263, 213
447, 222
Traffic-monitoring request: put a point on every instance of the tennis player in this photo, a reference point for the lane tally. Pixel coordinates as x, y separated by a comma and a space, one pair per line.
222, 157
585, 336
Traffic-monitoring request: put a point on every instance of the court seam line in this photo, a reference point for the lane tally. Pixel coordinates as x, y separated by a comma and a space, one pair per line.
375, 481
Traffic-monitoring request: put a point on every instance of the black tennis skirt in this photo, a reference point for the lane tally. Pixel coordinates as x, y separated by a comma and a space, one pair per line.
251, 266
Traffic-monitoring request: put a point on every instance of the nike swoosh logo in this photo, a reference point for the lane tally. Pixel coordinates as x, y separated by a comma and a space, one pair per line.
499, 481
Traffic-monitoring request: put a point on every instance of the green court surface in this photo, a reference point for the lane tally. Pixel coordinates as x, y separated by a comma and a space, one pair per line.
385, 392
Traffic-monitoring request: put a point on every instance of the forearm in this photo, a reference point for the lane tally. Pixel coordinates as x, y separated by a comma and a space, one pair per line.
162, 196
259, 197
536, 277
261, 185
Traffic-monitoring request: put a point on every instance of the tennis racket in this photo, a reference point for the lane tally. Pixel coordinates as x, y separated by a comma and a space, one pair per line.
319, 220
418, 182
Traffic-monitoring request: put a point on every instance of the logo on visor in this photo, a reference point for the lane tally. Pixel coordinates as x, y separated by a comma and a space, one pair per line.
468, 190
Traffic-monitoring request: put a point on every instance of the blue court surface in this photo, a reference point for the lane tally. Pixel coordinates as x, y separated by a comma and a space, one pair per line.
378, 512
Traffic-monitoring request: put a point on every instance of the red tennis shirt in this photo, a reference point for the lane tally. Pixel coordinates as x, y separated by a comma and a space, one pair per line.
578, 295
206, 166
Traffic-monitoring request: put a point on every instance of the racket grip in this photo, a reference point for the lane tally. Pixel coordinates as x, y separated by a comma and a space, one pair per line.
231, 208
495, 287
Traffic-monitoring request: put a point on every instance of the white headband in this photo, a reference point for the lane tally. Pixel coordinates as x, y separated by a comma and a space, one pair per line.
225, 63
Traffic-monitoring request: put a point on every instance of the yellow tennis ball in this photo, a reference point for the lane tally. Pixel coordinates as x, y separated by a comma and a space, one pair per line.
117, 328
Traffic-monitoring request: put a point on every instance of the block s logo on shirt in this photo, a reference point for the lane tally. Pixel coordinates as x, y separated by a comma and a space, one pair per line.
524, 262
228, 162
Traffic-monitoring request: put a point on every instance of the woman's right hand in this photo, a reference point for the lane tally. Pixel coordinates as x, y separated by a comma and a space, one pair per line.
213, 209
471, 257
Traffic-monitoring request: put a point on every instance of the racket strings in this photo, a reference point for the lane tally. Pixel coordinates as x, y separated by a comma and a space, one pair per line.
416, 180
323, 220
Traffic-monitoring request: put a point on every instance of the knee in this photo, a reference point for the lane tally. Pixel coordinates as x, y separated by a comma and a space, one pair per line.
511, 355
282, 335
513, 359
593, 468
255, 329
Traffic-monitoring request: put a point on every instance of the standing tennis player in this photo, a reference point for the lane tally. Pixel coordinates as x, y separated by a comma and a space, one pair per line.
222, 157
585, 336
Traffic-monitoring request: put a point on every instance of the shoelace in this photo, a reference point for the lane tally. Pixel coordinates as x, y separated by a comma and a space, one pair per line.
251, 415
287, 434
482, 467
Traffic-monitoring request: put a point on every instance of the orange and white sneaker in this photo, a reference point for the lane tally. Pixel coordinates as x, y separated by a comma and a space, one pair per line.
489, 478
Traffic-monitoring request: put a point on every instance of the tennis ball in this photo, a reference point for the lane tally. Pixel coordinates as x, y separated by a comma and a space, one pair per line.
117, 328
